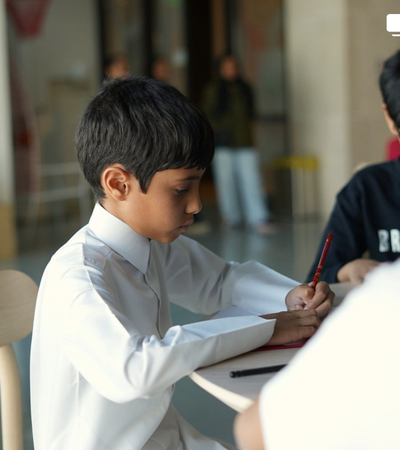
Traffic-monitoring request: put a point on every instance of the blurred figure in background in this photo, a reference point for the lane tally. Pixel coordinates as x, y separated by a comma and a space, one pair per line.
160, 69
228, 103
117, 66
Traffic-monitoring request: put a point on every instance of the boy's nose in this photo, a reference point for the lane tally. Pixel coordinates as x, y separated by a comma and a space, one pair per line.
194, 206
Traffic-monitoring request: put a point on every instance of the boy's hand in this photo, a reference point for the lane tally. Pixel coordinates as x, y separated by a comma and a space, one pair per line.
305, 297
293, 326
355, 271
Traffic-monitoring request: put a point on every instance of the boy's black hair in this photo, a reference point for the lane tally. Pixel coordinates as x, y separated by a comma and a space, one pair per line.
144, 125
389, 82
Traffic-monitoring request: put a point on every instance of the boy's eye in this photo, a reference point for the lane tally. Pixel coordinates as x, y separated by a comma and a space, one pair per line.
181, 191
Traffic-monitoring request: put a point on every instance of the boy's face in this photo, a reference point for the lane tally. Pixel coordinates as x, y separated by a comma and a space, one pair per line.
167, 208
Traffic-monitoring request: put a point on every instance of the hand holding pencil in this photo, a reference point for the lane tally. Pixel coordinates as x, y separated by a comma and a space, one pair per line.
317, 295
322, 260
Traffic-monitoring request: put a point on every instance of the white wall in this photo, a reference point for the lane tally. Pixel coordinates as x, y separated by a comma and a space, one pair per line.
369, 45
334, 52
317, 82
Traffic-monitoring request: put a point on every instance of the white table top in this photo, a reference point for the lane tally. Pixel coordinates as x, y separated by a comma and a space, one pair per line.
240, 393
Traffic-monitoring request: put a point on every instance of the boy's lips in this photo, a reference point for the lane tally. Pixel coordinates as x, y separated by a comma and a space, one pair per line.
187, 225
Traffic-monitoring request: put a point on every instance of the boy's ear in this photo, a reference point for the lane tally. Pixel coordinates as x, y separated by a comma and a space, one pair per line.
117, 182
391, 125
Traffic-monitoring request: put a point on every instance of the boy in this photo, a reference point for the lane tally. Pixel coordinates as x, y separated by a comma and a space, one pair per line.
366, 215
105, 356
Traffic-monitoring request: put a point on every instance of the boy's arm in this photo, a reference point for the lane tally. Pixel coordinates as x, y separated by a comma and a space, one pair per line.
355, 271
202, 282
247, 429
120, 357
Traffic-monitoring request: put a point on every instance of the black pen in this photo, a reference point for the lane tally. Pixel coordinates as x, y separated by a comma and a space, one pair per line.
256, 371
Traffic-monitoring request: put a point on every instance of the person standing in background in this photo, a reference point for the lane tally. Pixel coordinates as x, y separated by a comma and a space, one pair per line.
117, 66
228, 104
160, 69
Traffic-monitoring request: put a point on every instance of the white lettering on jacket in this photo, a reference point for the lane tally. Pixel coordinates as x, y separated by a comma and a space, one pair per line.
395, 240
389, 240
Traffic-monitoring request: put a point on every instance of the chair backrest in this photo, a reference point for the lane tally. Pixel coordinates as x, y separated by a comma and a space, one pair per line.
17, 304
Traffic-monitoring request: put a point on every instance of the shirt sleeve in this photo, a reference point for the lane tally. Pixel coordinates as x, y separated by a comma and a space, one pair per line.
350, 397
205, 283
116, 356
346, 225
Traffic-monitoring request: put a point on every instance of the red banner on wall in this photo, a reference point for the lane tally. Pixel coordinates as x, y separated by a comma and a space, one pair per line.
27, 15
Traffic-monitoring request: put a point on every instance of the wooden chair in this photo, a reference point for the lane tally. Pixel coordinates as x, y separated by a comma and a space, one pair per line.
17, 303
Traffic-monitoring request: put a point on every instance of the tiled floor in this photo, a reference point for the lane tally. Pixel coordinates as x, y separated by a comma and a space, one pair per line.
290, 251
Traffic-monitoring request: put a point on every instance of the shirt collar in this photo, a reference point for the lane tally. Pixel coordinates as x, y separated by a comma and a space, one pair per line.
120, 237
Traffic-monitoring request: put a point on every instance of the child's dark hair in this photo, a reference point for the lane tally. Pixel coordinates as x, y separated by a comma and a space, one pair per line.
146, 127
389, 82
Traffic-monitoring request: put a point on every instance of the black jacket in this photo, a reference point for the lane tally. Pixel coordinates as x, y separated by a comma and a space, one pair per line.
366, 217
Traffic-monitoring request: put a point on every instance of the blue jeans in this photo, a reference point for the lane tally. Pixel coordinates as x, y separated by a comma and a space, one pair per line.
239, 186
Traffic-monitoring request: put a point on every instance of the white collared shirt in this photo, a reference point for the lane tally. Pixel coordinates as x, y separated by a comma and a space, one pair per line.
105, 355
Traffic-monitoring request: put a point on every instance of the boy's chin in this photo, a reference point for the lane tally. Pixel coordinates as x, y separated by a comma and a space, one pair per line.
167, 238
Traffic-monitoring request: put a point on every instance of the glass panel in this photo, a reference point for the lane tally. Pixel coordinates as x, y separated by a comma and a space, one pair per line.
259, 44
54, 71
168, 41
124, 32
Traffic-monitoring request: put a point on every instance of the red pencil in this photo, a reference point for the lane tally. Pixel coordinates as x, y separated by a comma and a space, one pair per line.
322, 260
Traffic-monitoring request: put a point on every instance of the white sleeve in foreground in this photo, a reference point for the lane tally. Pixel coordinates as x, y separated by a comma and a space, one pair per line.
341, 390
